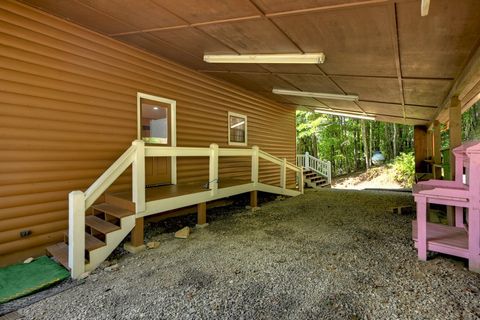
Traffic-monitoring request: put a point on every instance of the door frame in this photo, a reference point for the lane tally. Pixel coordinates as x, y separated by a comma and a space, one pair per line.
173, 126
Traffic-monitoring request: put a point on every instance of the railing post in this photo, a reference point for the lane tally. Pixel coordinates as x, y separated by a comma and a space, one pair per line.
300, 180
283, 174
138, 176
255, 150
329, 172
76, 233
213, 169
307, 160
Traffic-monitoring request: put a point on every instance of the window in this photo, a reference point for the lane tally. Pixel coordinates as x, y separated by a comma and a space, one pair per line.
237, 129
154, 122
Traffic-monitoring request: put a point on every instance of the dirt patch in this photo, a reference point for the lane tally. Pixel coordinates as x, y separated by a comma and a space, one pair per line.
375, 178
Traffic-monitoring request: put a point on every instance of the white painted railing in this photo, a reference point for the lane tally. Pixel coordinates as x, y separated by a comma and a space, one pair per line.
135, 155
322, 167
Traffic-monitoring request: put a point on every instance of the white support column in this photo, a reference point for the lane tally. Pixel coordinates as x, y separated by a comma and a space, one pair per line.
300, 180
283, 174
307, 160
213, 169
76, 233
329, 172
255, 164
138, 176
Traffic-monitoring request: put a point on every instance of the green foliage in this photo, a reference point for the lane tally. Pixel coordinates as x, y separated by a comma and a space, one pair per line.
339, 139
404, 169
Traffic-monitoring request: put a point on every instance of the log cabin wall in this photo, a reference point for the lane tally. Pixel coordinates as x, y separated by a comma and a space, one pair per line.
68, 110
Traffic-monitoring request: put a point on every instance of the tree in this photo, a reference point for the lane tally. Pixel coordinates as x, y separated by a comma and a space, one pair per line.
348, 143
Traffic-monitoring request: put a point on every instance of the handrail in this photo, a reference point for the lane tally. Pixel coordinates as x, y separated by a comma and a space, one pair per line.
322, 167
267, 156
109, 176
135, 155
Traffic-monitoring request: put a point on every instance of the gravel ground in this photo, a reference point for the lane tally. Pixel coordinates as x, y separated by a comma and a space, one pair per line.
329, 254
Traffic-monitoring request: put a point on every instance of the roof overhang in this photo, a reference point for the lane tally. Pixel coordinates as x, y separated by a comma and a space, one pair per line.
403, 66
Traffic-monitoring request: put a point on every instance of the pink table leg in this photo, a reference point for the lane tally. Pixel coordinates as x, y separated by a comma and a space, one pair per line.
474, 239
422, 228
459, 217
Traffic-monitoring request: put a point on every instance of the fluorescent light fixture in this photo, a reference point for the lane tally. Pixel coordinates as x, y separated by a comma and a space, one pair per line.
348, 115
425, 7
155, 108
332, 96
305, 58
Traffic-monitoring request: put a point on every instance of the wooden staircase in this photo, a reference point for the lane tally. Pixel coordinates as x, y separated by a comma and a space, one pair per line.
105, 227
314, 180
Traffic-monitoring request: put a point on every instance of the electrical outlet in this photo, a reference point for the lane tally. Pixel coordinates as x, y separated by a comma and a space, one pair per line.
25, 233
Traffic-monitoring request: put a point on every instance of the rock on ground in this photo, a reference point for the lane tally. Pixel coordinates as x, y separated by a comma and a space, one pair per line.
328, 254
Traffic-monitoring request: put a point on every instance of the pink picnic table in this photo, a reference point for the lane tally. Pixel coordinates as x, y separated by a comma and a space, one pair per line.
463, 239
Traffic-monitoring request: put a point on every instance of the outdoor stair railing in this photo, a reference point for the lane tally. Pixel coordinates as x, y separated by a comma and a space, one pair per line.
135, 155
322, 167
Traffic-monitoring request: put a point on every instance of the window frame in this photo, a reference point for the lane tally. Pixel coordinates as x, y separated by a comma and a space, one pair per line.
238, 115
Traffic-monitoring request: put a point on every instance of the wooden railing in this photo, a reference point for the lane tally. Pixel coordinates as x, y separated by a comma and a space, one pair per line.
322, 167
135, 155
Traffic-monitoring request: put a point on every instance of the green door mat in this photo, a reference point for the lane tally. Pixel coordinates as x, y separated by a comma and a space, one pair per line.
21, 279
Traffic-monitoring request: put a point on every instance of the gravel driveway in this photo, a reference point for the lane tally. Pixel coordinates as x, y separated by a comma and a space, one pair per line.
328, 254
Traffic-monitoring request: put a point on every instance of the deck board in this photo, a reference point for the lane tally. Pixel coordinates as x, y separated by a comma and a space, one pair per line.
171, 191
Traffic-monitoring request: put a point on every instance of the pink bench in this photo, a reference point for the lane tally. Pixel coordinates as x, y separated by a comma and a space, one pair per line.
461, 240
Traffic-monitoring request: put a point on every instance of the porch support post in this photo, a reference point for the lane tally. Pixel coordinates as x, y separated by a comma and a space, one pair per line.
255, 165
138, 176
254, 198
283, 174
76, 233
437, 156
213, 169
137, 232
202, 214
455, 130
300, 180
420, 146
455, 126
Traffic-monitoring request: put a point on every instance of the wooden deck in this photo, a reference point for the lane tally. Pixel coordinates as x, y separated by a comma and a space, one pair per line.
444, 239
176, 190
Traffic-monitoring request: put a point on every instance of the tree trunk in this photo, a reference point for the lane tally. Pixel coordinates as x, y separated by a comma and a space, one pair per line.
365, 144
394, 140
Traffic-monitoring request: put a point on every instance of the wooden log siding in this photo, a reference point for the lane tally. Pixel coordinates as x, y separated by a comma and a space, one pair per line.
68, 110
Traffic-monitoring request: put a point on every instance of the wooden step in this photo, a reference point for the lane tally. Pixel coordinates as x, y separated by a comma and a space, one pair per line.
121, 200
59, 252
311, 175
100, 225
112, 210
318, 179
91, 242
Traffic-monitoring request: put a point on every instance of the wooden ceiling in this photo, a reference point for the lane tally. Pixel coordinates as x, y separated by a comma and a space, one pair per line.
402, 65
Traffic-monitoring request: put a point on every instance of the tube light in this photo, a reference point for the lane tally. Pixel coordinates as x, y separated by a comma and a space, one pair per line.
349, 115
425, 7
332, 96
306, 58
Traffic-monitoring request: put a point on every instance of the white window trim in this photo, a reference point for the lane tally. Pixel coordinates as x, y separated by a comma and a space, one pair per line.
230, 143
173, 126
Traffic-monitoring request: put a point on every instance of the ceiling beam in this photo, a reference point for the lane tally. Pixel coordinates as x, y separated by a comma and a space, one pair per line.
266, 15
396, 49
